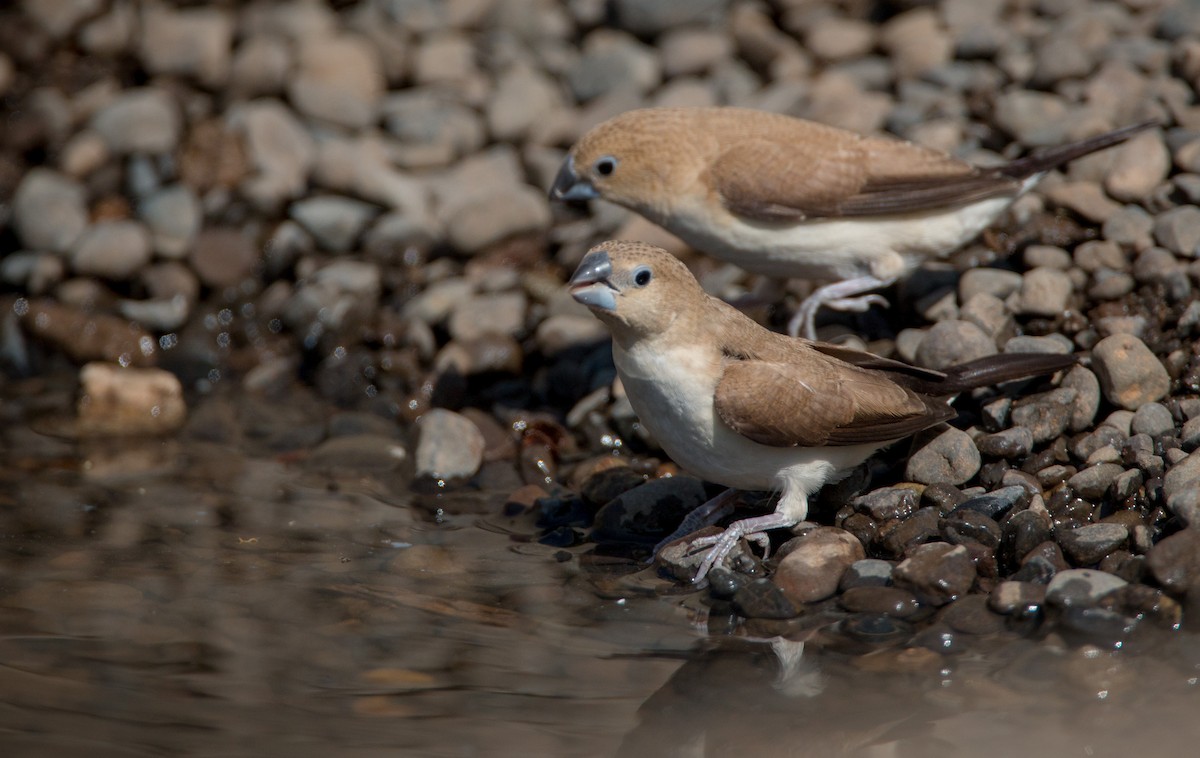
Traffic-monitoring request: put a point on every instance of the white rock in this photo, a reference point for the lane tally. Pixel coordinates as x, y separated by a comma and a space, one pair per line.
280, 151
112, 249
140, 120
49, 210
132, 401
191, 42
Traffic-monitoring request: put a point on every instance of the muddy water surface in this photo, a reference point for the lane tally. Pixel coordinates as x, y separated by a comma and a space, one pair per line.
233, 594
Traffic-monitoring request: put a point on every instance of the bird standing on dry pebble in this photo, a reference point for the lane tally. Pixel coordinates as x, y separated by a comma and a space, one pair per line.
749, 408
786, 197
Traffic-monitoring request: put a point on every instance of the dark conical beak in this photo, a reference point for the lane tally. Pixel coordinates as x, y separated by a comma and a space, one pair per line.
569, 186
590, 286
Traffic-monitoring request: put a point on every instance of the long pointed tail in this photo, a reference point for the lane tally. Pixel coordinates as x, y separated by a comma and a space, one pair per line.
1044, 160
1005, 367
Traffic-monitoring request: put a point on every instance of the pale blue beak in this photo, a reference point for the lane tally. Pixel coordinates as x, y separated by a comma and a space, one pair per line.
590, 286
569, 186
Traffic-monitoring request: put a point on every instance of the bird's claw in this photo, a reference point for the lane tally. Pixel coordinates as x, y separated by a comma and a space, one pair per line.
722, 545
856, 304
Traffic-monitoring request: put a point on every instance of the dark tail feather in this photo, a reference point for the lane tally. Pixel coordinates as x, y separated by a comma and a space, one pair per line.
1044, 160
1004, 367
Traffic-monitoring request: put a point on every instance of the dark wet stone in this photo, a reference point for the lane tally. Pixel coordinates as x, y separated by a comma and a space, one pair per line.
888, 601
1051, 552
1140, 601
760, 598
1037, 570
966, 524
996, 503
875, 628
971, 615
896, 538
607, 485
1097, 625
811, 565
869, 572
649, 511
1093, 482
1124, 564
1045, 415
887, 503
1086, 545
723, 584
936, 573
1021, 533
944, 497
997, 413
938, 638
359, 452
109, 338
561, 536
1017, 597
1010, 443
563, 510
1175, 561
1080, 587
863, 527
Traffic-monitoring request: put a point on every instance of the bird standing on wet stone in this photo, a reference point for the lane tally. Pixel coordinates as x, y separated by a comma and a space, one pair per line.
786, 197
749, 408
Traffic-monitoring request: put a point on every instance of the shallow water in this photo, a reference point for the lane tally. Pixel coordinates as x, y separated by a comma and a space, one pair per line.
223, 594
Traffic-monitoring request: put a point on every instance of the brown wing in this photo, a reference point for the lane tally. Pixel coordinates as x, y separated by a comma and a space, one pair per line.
793, 404
775, 180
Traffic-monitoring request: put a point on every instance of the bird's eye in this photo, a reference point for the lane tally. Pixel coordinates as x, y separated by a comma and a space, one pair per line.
642, 276
606, 165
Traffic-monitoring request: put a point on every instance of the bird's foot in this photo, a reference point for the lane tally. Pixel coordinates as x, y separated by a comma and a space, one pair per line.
705, 514
849, 295
753, 529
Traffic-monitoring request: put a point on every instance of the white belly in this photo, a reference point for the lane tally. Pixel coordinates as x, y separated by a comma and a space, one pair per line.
880, 246
672, 392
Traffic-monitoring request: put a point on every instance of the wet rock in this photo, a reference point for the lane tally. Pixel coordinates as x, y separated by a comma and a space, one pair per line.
608, 484
1017, 598
1086, 545
359, 452
113, 250
944, 497
1093, 482
896, 537
104, 337
886, 503
1045, 292
335, 222
812, 564
996, 503
1080, 587
173, 217
223, 257
1022, 532
950, 342
649, 511
338, 79
1175, 561
1130, 375
936, 573
49, 210
1010, 443
971, 615
192, 42
887, 601
143, 120
129, 401
1140, 601
449, 446
759, 598
869, 572
963, 525
951, 457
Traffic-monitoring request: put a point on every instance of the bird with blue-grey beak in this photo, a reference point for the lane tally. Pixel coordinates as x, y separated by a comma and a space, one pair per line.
751, 409
786, 197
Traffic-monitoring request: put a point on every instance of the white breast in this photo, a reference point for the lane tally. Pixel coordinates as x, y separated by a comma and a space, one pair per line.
671, 389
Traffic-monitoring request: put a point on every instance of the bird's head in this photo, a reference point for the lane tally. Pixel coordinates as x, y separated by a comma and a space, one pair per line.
637, 289
640, 159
